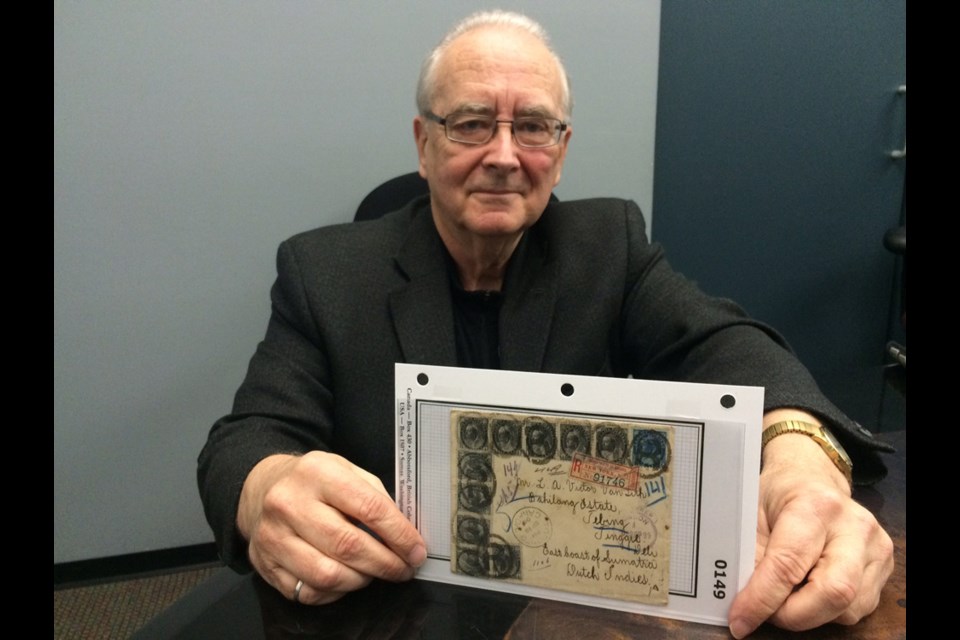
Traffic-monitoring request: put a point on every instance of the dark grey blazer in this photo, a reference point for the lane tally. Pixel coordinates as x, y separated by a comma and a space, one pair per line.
585, 293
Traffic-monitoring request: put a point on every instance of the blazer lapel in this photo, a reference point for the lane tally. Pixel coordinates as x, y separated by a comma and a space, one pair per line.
421, 308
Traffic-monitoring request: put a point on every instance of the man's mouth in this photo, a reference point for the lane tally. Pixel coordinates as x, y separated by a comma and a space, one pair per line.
496, 191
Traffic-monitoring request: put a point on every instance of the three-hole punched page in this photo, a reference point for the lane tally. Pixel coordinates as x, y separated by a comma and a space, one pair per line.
619, 493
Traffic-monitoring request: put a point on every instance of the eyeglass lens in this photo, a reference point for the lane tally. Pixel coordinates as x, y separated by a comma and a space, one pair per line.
477, 129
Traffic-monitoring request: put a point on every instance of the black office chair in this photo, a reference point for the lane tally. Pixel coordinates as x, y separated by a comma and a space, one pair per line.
394, 193
391, 195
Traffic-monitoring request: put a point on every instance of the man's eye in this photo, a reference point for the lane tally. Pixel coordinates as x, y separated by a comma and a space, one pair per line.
532, 126
472, 126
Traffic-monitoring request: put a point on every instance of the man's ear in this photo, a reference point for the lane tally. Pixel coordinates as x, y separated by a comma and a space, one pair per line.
420, 137
564, 141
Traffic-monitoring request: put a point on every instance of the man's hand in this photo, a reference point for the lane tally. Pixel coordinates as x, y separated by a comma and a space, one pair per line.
821, 557
300, 515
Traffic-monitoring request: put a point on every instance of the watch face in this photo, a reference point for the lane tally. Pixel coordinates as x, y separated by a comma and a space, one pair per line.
836, 445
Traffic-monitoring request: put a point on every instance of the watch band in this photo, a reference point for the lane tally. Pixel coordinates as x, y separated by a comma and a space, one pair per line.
820, 434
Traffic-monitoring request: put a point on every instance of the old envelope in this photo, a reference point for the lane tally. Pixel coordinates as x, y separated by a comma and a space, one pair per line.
580, 505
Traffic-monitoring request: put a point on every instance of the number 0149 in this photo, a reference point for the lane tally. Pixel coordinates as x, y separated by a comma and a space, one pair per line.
719, 574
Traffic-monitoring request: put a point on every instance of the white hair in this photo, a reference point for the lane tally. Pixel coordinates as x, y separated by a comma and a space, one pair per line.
427, 83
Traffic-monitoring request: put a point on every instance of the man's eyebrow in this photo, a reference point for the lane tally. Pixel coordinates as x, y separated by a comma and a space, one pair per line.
481, 109
536, 111
475, 108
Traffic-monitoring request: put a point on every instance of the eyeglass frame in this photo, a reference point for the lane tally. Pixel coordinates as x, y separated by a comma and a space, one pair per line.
442, 120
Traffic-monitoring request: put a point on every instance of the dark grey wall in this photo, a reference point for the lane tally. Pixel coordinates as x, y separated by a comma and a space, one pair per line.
773, 183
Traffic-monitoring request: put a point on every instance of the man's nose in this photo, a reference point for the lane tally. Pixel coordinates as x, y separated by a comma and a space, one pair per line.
503, 148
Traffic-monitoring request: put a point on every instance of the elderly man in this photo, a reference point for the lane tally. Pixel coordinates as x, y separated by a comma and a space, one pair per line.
490, 273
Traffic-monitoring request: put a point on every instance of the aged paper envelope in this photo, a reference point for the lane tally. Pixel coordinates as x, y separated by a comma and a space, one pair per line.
580, 505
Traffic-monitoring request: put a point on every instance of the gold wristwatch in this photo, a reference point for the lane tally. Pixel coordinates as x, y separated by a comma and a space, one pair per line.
821, 435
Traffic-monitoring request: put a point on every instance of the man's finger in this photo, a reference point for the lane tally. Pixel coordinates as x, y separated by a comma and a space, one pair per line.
278, 558
326, 529
353, 496
830, 589
845, 585
793, 548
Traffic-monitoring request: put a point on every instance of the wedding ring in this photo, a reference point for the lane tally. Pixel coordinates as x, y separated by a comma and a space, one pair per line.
296, 591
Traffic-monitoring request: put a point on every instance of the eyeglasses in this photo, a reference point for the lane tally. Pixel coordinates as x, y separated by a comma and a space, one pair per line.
529, 131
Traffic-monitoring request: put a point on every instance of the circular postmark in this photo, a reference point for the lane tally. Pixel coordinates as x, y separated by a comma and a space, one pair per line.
651, 452
532, 527
645, 531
